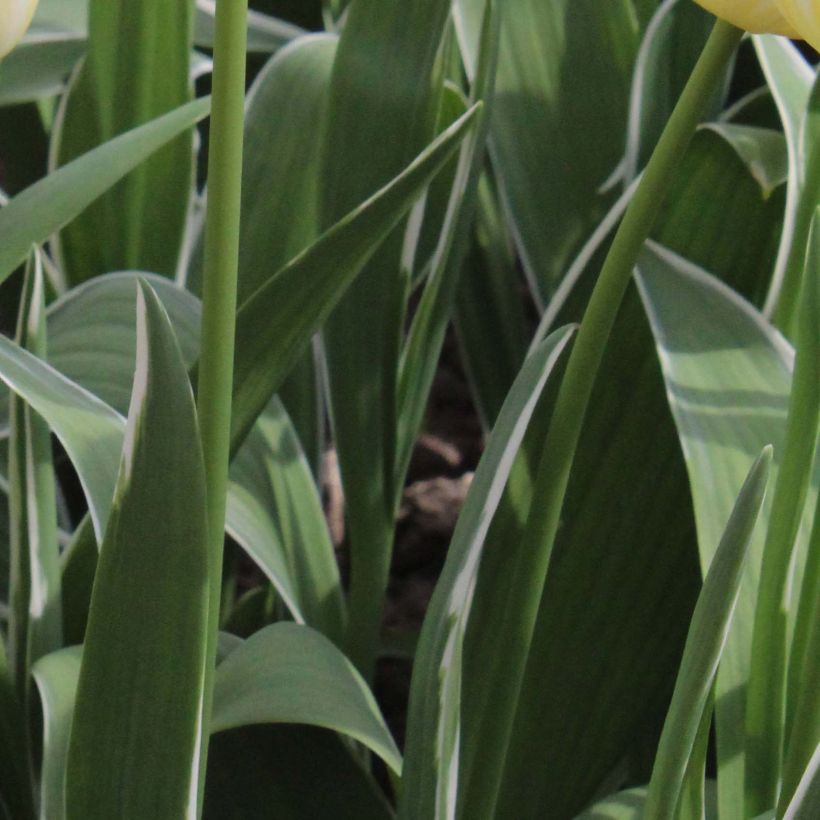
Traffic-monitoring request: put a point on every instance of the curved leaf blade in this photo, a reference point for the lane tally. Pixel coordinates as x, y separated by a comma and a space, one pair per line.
287, 673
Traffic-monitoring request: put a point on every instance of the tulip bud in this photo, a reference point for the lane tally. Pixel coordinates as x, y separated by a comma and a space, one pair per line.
15, 17
759, 16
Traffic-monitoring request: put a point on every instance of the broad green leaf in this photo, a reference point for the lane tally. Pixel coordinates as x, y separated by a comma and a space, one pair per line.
572, 730
288, 673
704, 645
728, 379
93, 342
39, 67
561, 102
16, 781
137, 68
276, 323
431, 780
98, 317
384, 96
42, 209
35, 628
56, 677
135, 740
92, 332
280, 182
280, 174
290, 772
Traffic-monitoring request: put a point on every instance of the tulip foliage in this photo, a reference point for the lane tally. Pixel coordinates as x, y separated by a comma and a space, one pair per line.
233, 243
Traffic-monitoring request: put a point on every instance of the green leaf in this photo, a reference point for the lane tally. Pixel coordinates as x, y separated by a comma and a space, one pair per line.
578, 728
135, 740
790, 79
671, 45
42, 209
56, 676
489, 297
426, 336
280, 173
280, 186
626, 805
431, 780
137, 69
98, 316
728, 378
92, 333
806, 801
803, 724
35, 628
766, 728
89, 429
276, 323
287, 673
39, 67
563, 66
384, 97
274, 486
762, 149
704, 645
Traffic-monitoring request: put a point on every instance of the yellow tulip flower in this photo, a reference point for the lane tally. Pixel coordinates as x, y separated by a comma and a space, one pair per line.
759, 16
15, 18
804, 16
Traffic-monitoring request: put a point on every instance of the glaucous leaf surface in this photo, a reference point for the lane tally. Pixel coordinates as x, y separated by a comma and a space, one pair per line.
136, 732
137, 68
288, 673
56, 676
728, 378
561, 102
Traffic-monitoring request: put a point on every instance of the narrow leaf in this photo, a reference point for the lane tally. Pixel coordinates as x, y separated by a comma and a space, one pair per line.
41, 210
707, 637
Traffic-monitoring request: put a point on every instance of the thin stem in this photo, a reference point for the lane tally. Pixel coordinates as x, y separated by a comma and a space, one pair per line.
571, 405
215, 376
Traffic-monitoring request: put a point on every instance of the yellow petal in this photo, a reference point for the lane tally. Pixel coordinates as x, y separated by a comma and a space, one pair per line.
759, 16
15, 17
804, 16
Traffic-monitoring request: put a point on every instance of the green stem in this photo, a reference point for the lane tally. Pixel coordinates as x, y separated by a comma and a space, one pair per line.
766, 697
215, 376
571, 405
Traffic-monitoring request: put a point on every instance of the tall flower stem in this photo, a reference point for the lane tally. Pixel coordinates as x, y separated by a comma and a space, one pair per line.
215, 375
573, 399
